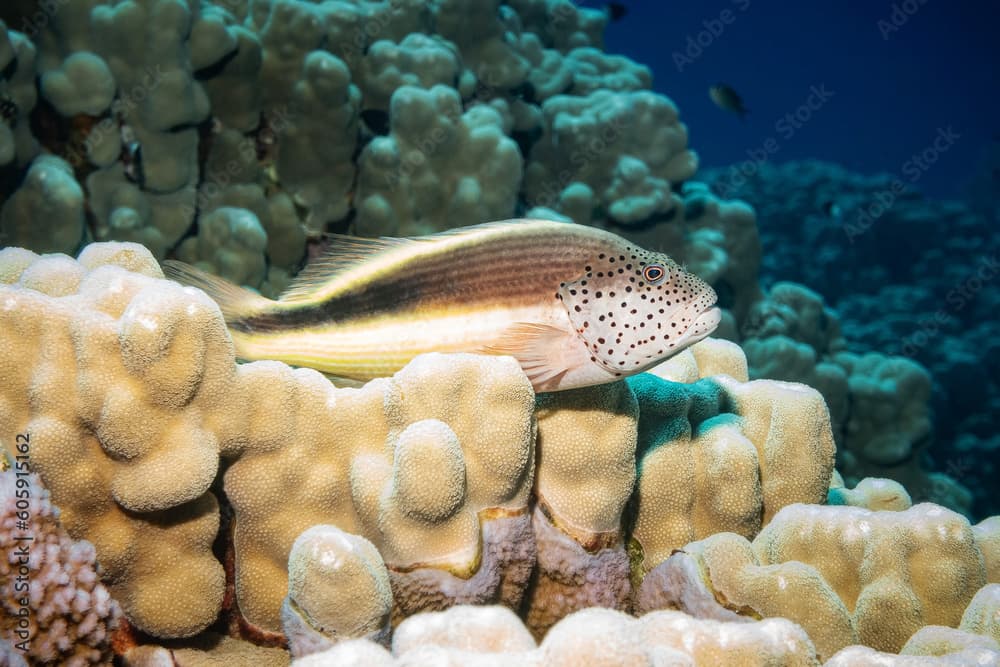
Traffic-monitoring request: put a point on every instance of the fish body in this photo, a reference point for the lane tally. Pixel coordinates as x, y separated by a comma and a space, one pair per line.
727, 99
616, 11
575, 305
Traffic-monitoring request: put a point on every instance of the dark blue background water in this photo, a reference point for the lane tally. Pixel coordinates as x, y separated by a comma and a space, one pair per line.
891, 92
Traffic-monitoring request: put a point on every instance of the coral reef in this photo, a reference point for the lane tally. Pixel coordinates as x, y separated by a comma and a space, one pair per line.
435, 466
438, 168
622, 176
602, 637
257, 514
830, 228
893, 573
880, 405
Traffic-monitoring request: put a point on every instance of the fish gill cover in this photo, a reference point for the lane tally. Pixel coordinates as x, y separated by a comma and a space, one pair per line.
240, 511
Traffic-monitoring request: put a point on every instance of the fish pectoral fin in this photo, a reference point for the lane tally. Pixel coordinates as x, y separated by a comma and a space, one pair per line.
539, 348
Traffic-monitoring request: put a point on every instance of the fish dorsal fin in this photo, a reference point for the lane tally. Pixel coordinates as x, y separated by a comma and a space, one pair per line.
344, 252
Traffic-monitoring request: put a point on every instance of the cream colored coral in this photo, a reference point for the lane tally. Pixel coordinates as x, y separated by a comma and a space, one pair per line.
855, 656
982, 616
721, 455
416, 463
974, 642
711, 356
847, 575
488, 629
939, 640
587, 438
871, 493
896, 571
338, 588
987, 534
109, 372
476, 637
129, 385
206, 650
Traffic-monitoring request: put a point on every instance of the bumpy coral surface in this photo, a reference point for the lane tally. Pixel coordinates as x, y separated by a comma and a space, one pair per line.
435, 466
55, 609
337, 587
769, 441
138, 486
439, 167
482, 636
422, 475
847, 575
879, 404
620, 168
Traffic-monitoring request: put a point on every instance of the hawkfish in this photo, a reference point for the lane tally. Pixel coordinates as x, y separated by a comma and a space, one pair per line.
573, 304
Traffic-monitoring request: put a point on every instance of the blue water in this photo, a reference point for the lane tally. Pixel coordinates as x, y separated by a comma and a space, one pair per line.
892, 87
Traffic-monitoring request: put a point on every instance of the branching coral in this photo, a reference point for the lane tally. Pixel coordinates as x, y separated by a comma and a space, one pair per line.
55, 610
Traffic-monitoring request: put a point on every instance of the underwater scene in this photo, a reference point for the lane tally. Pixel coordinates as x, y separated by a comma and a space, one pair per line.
499, 332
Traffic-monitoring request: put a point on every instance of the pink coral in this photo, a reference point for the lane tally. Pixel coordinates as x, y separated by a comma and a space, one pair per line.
56, 611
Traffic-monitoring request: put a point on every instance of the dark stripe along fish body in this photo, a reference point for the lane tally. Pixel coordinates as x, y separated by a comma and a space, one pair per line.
537, 290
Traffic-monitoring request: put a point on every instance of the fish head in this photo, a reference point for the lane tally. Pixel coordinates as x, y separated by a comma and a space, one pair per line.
634, 308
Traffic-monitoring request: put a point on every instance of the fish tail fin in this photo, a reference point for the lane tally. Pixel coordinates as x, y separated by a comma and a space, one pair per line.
235, 302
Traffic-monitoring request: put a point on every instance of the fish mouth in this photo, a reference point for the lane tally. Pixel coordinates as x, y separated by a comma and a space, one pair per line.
706, 322
703, 326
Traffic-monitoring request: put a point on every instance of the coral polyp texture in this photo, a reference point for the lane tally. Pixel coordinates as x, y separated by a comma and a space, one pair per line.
847, 575
435, 467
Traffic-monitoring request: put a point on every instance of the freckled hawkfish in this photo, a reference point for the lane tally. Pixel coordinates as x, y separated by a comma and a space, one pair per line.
575, 305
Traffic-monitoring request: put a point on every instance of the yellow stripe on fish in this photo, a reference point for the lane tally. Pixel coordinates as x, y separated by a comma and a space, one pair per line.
575, 305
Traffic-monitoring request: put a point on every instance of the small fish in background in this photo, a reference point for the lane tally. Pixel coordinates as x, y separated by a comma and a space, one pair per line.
8, 110
575, 305
131, 156
831, 209
727, 99
616, 11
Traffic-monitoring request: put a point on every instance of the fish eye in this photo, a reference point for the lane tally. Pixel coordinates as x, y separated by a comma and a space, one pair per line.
653, 273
